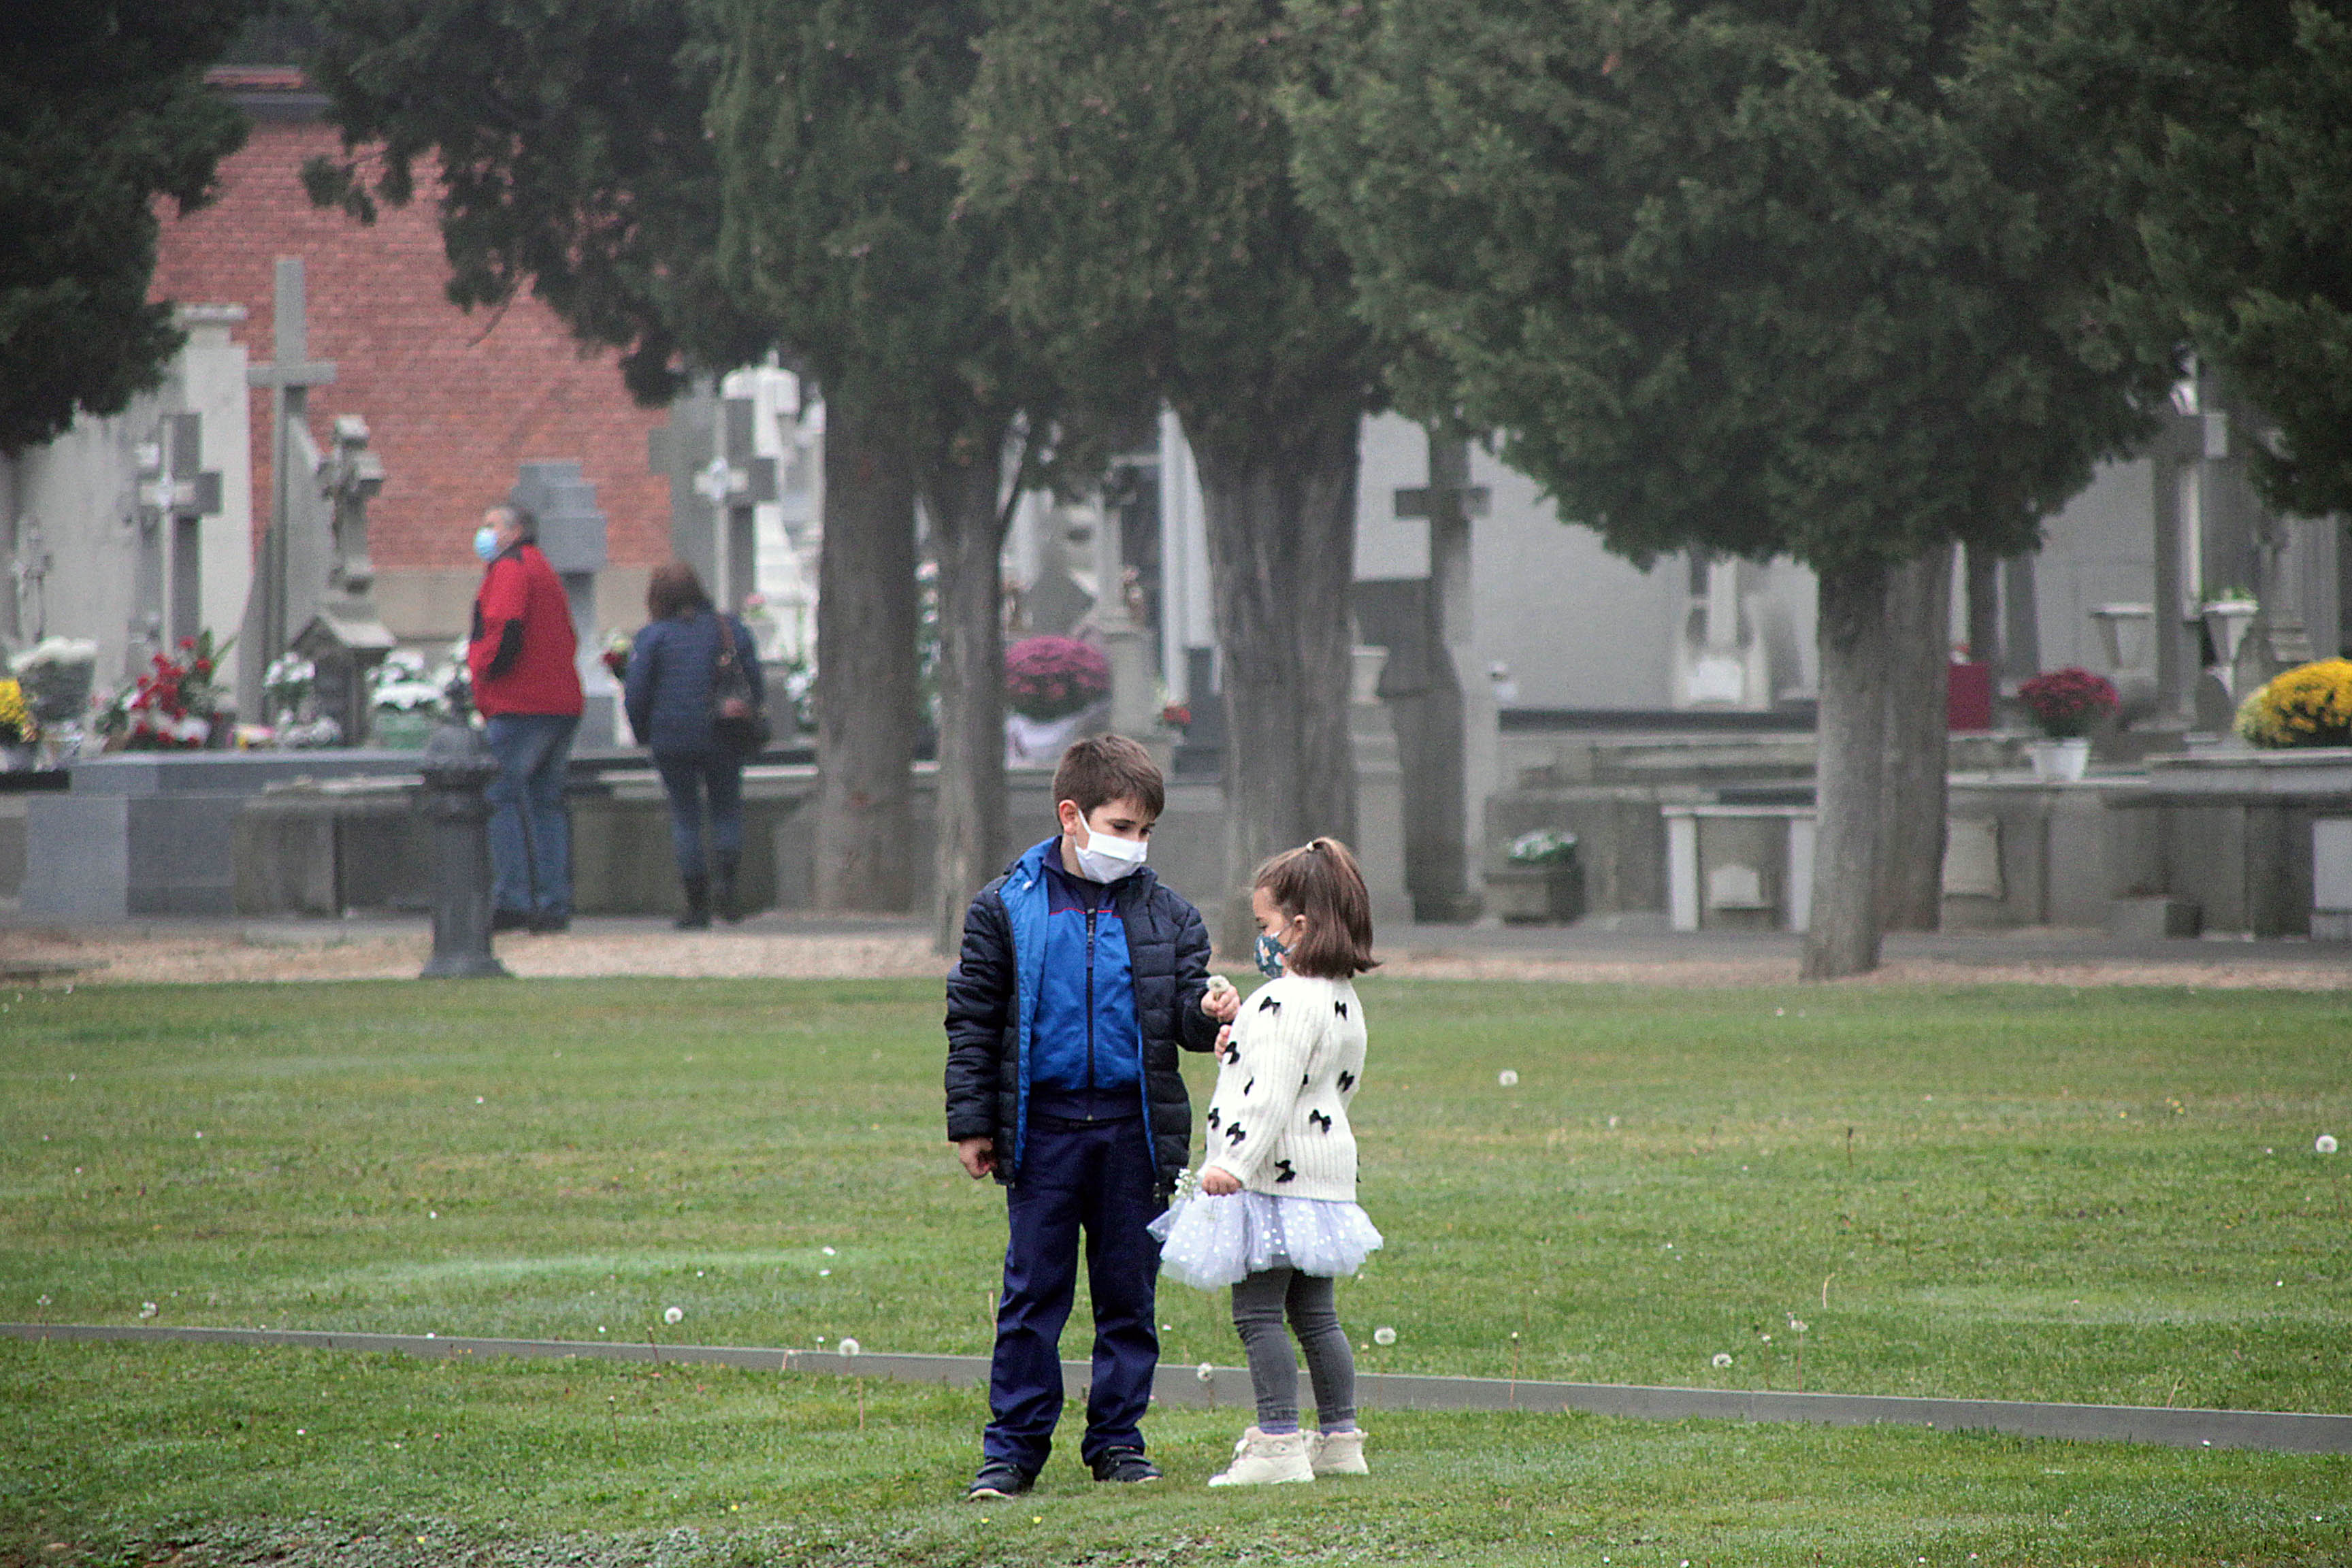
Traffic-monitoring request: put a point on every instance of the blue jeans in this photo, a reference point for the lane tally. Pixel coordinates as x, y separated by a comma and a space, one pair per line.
1097, 1179
530, 836
693, 779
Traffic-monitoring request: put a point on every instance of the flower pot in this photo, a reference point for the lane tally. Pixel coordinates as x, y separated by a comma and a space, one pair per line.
397, 729
1537, 895
2060, 762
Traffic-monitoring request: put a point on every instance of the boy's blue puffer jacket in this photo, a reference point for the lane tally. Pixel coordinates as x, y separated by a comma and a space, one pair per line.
671, 666
992, 1008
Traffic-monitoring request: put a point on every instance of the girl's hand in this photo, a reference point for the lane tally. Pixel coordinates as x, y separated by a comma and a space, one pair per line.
1222, 1001
1218, 1181
1224, 1037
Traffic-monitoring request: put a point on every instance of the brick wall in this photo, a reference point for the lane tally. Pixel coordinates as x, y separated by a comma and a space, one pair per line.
455, 400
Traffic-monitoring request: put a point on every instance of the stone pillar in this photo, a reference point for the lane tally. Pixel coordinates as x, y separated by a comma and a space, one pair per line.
458, 769
1134, 691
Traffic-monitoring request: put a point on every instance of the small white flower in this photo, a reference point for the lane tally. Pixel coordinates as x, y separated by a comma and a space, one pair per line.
2325, 1144
824, 1273
479, 1100
1205, 1372
1384, 1335
147, 1309
1613, 1122
674, 1314
829, 1252
848, 1346
432, 1213
1722, 1358
44, 1301
1796, 1325
1507, 1078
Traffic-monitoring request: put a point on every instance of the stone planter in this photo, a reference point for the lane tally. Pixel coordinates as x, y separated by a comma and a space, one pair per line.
390, 730
2060, 762
17, 756
1537, 895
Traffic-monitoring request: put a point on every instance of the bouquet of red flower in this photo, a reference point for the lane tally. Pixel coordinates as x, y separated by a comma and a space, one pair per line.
2068, 702
173, 705
617, 654
1052, 678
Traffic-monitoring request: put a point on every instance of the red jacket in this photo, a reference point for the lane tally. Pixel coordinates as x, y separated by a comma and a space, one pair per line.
522, 651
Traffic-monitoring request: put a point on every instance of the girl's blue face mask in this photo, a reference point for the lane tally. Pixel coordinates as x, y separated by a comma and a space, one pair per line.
1269, 956
486, 543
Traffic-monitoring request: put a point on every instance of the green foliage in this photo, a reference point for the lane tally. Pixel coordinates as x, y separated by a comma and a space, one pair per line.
1155, 244
2229, 121
103, 110
565, 146
1751, 276
834, 122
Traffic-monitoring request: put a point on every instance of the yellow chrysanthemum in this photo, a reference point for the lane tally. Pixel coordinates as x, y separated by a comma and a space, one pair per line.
2310, 705
16, 719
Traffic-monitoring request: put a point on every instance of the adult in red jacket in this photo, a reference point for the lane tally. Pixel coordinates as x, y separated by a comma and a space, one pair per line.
527, 685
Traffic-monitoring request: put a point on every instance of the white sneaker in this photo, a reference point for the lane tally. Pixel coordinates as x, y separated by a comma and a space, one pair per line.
1263, 1459
1338, 1453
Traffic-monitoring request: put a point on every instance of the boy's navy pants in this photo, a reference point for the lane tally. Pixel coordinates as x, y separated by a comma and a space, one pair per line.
1074, 1176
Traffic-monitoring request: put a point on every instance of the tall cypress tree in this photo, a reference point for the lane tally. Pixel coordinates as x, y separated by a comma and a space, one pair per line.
103, 110
1748, 277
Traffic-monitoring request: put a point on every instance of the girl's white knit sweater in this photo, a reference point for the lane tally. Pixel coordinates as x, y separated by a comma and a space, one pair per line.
1278, 1119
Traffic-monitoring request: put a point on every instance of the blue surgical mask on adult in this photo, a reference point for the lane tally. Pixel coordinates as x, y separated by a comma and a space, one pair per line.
486, 543
1269, 956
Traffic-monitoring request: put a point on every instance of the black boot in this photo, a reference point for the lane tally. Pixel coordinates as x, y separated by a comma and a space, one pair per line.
722, 890
697, 905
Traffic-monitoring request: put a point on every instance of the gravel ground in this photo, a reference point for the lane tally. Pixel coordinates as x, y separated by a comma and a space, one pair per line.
328, 951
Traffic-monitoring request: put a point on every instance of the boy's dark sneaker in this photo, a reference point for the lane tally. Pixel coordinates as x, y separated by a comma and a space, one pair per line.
1124, 1465
998, 1481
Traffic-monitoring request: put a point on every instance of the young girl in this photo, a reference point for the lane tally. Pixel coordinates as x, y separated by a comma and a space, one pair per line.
1276, 1217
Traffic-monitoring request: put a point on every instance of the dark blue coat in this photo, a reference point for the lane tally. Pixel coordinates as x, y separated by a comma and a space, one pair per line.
671, 666
992, 1009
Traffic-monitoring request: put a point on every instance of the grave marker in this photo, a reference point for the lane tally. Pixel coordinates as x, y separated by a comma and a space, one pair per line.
279, 578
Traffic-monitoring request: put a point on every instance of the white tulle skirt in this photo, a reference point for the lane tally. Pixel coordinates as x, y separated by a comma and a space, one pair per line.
1209, 1242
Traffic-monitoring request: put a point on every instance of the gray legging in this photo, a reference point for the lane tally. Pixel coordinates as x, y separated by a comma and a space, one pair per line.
1259, 1302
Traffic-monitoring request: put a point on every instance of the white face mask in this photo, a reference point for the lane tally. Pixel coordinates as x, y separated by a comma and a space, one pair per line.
1105, 858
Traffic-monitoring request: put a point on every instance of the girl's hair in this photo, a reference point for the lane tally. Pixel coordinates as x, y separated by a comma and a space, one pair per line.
1320, 881
672, 590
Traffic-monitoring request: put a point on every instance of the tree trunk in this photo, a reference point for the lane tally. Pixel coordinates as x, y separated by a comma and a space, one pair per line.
865, 677
1281, 531
1911, 854
960, 499
1842, 937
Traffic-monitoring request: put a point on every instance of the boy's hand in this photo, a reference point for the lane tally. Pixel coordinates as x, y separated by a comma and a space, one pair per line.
1218, 1181
1222, 1001
978, 1154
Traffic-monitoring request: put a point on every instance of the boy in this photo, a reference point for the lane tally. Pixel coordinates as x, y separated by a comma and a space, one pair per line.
1080, 977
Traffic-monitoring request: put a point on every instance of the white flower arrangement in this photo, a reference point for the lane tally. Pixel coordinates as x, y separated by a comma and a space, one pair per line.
1544, 846
417, 696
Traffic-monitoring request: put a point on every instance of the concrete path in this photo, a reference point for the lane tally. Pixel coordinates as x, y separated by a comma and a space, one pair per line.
2288, 1432
1629, 950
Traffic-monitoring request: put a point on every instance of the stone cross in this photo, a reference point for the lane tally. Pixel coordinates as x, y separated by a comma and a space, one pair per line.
176, 493
349, 479
28, 575
1444, 800
712, 525
289, 377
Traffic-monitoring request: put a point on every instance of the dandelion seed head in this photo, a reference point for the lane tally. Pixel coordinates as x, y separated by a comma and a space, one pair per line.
1722, 1359
2324, 1142
673, 1314
1384, 1335
1507, 1078
848, 1346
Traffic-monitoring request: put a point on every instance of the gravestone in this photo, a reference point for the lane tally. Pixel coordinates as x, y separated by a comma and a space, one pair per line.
1428, 681
571, 535
289, 576
344, 638
176, 493
708, 453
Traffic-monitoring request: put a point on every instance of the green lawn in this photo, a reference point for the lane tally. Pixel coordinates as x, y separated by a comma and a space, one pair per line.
2001, 1193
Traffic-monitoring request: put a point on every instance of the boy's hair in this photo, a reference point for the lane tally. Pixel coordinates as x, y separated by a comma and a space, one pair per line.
1104, 768
1321, 881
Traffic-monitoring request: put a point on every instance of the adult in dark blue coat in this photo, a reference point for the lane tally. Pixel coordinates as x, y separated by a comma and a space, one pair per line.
673, 666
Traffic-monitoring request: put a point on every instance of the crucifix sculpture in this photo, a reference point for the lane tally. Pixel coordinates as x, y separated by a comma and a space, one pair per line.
289, 375
176, 493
